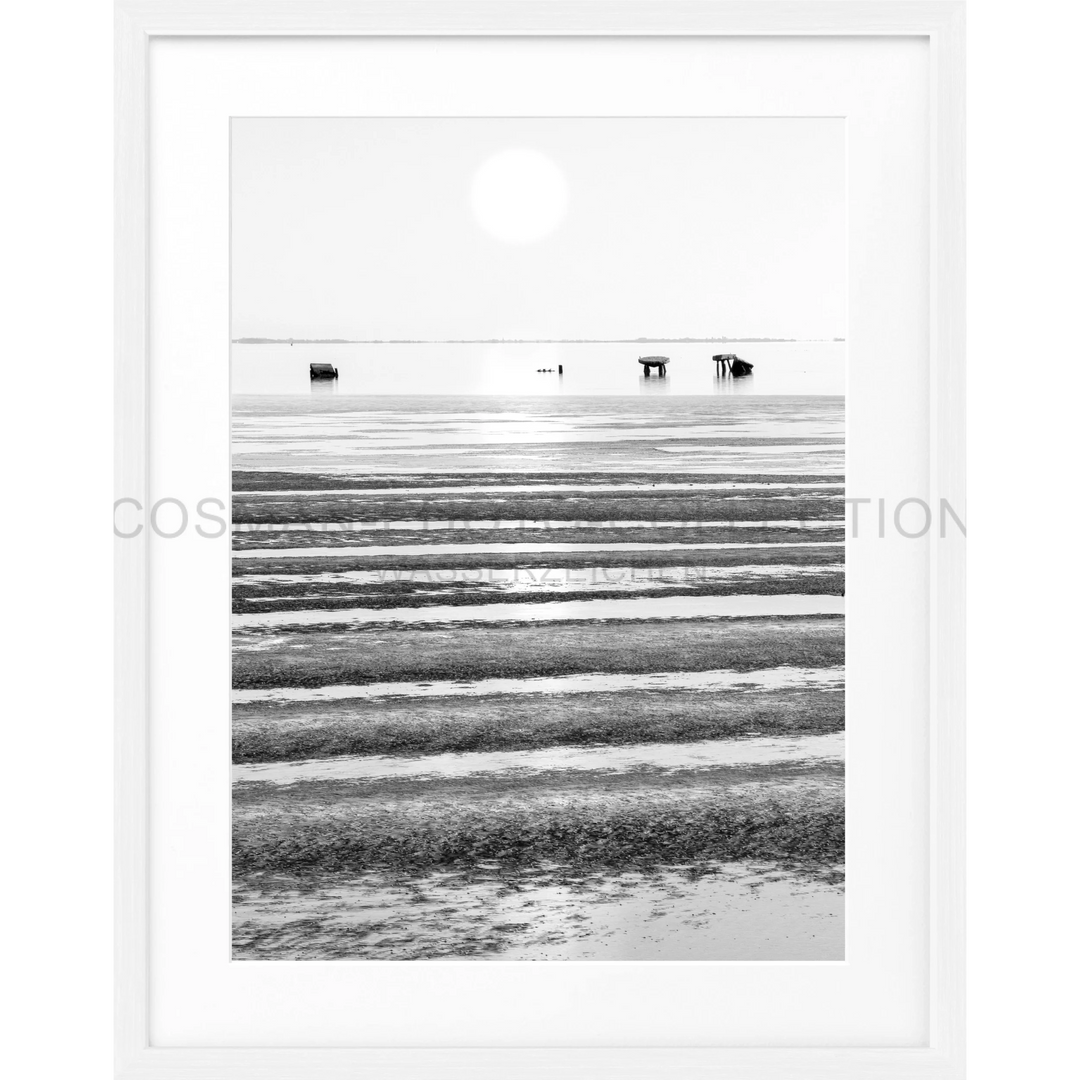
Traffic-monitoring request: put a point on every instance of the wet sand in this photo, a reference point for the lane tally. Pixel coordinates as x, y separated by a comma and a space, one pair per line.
548, 775
432, 525
553, 577
733, 911
710, 754
831, 678
830, 486
676, 607
483, 549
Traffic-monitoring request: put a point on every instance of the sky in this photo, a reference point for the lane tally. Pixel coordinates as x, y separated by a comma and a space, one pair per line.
462, 228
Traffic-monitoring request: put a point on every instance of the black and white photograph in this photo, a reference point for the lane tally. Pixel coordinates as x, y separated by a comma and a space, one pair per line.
538, 577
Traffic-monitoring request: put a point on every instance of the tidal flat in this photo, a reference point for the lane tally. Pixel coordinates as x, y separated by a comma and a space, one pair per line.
314, 480
407, 726
387, 535
523, 560
315, 656
725, 911
538, 680
546, 506
616, 820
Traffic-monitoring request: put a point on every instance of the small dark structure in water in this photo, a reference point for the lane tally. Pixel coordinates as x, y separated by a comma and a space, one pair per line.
726, 362
323, 371
650, 362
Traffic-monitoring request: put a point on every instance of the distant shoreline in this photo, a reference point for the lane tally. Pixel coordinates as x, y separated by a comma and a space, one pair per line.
528, 341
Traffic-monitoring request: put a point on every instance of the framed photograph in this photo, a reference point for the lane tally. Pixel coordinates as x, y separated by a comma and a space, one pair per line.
540, 523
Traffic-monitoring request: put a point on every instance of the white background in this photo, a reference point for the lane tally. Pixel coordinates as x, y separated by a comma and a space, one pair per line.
877, 997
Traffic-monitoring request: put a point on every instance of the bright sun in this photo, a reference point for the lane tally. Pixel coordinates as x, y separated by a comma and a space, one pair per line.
519, 195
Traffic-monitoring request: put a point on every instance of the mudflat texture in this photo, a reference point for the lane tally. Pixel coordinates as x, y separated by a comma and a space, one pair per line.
547, 679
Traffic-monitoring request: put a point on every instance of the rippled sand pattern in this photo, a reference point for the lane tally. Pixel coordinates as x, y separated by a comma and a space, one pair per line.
610, 733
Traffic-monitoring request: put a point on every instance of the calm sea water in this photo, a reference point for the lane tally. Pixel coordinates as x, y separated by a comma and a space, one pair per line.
789, 368
311, 428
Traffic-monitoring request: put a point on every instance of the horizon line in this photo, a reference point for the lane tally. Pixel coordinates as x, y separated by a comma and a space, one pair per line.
521, 341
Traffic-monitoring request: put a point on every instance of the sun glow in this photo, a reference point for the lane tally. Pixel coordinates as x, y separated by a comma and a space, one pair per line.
519, 196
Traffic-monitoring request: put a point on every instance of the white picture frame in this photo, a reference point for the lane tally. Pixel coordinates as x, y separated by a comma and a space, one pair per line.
138, 23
